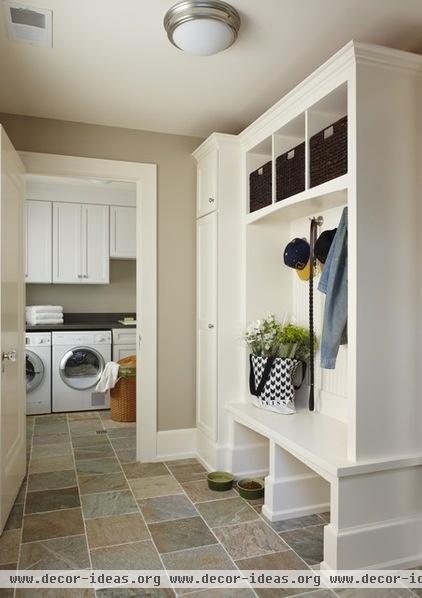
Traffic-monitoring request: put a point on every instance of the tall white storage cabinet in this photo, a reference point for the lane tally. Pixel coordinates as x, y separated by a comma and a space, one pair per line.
219, 241
80, 243
360, 452
123, 232
38, 241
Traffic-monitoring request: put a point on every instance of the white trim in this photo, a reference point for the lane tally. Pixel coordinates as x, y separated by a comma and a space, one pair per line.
145, 177
176, 444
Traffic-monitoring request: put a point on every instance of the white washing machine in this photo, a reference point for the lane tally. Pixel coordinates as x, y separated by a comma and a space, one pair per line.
38, 372
78, 362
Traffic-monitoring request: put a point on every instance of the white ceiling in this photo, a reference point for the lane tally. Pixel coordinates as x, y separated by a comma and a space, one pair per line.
112, 64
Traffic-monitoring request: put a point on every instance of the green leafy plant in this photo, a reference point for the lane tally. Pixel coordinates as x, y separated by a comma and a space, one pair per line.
270, 338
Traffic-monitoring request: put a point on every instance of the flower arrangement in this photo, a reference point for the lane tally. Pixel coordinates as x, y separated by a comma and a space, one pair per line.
271, 338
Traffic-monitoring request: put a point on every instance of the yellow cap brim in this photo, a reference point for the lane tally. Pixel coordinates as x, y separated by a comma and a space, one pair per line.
305, 273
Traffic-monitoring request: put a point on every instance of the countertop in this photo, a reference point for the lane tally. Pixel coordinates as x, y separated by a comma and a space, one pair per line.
85, 322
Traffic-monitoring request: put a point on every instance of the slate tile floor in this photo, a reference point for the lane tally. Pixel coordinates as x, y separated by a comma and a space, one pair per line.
87, 503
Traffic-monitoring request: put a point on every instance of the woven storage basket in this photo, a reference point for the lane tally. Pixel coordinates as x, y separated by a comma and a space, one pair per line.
290, 172
328, 153
123, 395
260, 187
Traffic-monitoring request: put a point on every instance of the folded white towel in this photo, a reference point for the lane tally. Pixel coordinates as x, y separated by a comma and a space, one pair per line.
108, 377
46, 316
38, 309
36, 322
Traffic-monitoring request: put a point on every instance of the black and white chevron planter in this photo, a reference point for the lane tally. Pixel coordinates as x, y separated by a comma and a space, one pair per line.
278, 392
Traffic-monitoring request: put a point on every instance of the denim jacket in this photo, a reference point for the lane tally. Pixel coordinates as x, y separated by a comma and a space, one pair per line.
333, 283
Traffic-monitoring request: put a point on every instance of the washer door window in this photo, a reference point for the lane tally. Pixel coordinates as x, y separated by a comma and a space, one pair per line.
34, 371
81, 368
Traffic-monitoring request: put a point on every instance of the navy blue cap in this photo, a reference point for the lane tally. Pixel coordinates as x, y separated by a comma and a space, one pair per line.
296, 254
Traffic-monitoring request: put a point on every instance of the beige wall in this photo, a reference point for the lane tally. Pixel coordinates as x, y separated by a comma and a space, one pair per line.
118, 296
176, 237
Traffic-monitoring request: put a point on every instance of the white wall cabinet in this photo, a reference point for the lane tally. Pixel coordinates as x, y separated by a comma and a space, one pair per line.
219, 252
123, 232
206, 372
207, 183
38, 242
124, 343
80, 243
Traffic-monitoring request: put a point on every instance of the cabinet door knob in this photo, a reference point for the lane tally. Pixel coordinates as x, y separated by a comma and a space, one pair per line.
211, 199
210, 325
79, 275
85, 276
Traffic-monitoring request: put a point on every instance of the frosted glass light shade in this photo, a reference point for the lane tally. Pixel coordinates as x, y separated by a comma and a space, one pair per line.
202, 27
203, 37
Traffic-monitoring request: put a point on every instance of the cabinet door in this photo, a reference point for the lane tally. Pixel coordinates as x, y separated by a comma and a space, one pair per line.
206, 391
123, 232
95, 244
67, 254
121, 351
207, 173
38, 241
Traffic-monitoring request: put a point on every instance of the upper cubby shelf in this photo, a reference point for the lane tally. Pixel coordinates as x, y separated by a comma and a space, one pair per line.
331, 194
294, 168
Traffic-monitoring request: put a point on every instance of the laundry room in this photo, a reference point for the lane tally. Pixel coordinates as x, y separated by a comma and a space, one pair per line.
80, 277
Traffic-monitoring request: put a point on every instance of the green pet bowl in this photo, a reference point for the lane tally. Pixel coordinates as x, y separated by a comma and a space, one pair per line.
220, 481
251, 489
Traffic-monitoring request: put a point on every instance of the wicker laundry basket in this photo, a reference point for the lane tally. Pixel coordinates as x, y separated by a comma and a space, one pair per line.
123, 395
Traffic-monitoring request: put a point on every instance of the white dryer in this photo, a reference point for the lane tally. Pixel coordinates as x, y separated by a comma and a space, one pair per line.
78, 362
38, 372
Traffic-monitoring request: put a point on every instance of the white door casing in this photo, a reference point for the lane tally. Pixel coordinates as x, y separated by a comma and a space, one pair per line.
12, 328
145, 178
206, 373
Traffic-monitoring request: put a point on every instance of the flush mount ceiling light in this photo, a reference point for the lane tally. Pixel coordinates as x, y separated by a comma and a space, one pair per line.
202, 27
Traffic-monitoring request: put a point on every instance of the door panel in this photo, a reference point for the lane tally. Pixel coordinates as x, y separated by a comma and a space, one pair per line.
38, 241
207, 325
95, 244
122, 351
67, 256
207, 174
12, 328
122, 232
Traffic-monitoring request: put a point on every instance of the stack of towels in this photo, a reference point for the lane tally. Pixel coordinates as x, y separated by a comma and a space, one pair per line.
44, 314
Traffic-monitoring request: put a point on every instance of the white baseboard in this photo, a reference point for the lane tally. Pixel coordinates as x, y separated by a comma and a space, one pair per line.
386, 545
293, 513
176, 444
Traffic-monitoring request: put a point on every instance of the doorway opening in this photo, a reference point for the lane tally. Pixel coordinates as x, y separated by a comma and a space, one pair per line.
96, 219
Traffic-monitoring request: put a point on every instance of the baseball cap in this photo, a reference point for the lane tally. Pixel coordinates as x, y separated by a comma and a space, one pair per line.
323, 244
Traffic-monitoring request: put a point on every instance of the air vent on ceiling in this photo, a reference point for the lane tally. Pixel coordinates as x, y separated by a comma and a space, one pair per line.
28, 24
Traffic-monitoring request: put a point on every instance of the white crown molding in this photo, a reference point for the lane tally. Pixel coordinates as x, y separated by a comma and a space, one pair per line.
214, 141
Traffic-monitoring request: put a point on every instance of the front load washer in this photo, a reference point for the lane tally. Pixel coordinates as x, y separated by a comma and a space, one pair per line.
38, 372
78, 362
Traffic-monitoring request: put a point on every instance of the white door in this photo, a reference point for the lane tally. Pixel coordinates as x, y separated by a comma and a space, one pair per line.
12, 328
67, 251
207, 181
95, 244
38, 241
206, 391
122, 232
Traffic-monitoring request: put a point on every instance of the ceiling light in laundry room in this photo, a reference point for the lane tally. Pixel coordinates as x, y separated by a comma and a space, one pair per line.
28, 24
202, 27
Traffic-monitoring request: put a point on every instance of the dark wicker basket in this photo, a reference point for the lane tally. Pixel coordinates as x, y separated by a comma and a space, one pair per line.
328, 153
261, 187
290, 172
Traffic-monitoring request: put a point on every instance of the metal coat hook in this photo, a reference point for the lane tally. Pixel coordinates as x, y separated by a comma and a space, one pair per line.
319, 220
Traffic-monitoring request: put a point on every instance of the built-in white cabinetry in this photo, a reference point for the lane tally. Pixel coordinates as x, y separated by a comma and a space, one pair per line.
38, 242
80, 243
219, 244
207, 183
124, 343
207, 281
122, 232
361, 445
